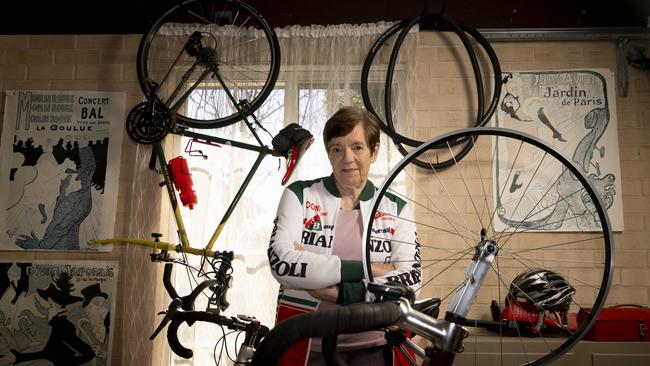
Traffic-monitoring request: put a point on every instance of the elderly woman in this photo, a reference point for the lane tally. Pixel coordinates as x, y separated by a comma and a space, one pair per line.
316, 250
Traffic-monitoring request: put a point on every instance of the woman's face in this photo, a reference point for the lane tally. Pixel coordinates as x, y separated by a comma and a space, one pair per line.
350, 157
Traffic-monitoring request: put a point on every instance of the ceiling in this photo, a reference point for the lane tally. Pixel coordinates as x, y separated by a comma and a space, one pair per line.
128, 17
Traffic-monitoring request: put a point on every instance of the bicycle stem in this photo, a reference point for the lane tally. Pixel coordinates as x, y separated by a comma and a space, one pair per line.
484, 255
445, 335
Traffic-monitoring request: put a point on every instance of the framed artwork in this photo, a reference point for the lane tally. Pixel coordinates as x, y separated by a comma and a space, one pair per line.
60, 162
57, 312
575, 112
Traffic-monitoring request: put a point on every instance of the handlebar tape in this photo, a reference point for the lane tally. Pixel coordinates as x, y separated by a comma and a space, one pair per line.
167, 275
190, 317
352, 318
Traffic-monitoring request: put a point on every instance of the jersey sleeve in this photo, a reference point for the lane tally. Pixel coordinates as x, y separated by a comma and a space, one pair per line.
405, 253
297, 268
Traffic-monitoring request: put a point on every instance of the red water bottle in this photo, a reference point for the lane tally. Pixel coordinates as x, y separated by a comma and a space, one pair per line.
182, 179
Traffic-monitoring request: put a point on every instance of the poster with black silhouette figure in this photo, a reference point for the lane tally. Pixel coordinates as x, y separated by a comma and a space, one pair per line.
575, 112
54, 313
60, 169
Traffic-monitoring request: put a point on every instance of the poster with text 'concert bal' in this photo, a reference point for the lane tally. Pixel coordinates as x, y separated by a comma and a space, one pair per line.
60, 168
57, 312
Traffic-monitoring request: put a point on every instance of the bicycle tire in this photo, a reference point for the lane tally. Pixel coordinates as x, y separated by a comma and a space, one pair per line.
388, 127
483, 115
170, 62
379, 43
450, 221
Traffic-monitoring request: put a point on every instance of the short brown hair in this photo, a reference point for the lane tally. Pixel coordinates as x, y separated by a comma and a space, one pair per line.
346, 119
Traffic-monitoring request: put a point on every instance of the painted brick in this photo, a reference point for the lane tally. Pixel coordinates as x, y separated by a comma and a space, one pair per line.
634, 222
628, 295
510, 53
557, 51
130, 87
632, 187
14, 42
636, 136
450, 102
53, 41
132, 41
101, 41
451, 69
453, 54
426, 86
50, 72
74, 85
635, 277
629, 152
99, 72
640, 85
458, 86
628, 119
601, 50
29, 56
636, 204
644, 152
426, 54
422, 69
118, 56
13, 72
421, 103
645, 118
631, 259
129, 72
76, 56
26, 85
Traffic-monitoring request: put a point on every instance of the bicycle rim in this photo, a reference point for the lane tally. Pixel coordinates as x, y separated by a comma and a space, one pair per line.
540, 209
233, 40
483, 114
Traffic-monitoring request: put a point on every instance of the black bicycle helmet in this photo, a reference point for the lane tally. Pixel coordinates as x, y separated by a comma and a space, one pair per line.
543, 288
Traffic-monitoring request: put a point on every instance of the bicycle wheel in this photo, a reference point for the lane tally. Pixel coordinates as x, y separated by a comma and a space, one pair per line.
539, 212
202, 57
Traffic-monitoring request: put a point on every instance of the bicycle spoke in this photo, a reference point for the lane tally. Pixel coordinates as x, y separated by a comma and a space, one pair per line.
439, 213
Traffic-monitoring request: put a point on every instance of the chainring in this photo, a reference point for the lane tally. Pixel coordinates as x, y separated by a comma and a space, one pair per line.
147, 126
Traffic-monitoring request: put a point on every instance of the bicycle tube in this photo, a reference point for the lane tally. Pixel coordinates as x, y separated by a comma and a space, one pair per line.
482, 117
346, 319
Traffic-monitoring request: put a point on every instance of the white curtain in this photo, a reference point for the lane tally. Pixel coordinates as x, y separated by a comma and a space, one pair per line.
321, 68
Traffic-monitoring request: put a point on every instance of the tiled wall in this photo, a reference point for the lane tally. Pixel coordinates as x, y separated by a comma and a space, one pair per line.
107, 63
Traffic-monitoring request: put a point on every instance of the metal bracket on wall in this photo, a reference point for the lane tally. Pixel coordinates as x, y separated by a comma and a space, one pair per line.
621, 65
619, 35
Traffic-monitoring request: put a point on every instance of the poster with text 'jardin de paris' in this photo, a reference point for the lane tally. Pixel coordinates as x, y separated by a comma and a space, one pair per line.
60, 169
573, 111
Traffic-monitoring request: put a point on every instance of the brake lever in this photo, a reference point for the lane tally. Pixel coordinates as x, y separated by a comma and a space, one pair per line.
169, 315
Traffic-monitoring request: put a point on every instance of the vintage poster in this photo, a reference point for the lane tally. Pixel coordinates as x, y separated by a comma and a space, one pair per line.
60, 163
575, 112
57, 313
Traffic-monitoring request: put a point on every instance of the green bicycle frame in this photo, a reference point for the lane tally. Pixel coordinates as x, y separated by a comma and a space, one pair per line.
260, 148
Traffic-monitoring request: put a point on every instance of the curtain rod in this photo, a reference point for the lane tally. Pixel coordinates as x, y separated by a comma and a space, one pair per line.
564, 34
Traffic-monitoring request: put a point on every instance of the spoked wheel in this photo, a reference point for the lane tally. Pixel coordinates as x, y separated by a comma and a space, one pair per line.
541, 217
395, 36
200, 51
